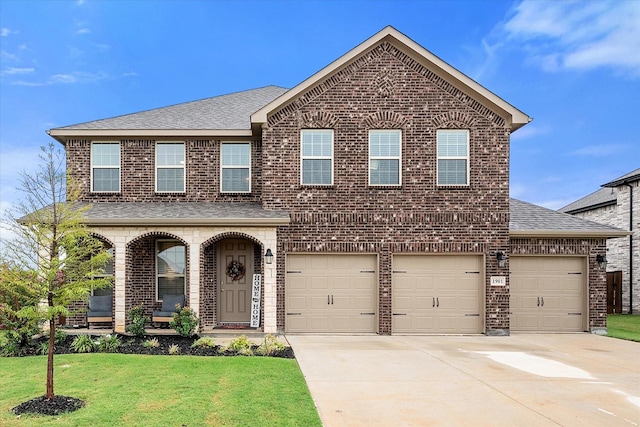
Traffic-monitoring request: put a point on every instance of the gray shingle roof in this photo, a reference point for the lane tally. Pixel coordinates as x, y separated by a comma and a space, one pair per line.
530, 219
231, 111
597, 199
630, 177
182, 213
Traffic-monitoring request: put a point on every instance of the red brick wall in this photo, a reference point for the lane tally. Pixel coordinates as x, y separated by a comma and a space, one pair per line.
387, 89
137, 173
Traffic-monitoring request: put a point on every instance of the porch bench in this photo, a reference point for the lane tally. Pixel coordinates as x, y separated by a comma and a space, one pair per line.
169, 302
100, 310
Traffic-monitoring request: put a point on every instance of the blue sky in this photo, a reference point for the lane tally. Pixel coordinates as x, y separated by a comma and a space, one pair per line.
574, 66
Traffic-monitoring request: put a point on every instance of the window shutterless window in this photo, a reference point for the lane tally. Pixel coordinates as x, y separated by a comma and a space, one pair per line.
108, 272
385, 148
170, 167
105, 167
170, 268
316, 157
453, 157
235, 167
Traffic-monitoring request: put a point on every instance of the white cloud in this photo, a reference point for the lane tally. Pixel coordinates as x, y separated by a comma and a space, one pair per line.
4, 32
63, 78
14, 70
8, 56
68, 78
579, 35
83, 31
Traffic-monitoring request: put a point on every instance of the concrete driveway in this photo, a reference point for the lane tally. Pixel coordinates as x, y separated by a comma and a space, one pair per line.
521, 380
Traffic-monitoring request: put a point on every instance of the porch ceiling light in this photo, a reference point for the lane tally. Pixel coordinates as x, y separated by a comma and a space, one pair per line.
602, 262
268, 256
502, 259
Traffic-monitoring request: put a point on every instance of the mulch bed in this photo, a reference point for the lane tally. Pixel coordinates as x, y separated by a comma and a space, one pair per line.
129, 345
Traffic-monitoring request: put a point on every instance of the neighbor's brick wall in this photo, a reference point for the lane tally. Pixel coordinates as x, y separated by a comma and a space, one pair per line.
618, 248
597, 287
387, 89
138, 172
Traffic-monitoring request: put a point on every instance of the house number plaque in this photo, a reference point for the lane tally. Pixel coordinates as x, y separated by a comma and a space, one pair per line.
255, 301
498, 281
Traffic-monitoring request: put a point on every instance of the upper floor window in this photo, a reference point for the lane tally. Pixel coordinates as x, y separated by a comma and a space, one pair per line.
453, 157
170, 167
385, 148
235, 168
171, 262
317, 157
105, 167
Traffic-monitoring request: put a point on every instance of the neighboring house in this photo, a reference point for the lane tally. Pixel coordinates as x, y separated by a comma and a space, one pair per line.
380, 185
617, 204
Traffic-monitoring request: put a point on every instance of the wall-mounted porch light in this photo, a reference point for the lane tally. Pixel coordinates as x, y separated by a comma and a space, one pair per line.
268, 256
502, 259
602, 262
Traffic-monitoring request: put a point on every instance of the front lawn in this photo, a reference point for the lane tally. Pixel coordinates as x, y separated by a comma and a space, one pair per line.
624, 326
162, 390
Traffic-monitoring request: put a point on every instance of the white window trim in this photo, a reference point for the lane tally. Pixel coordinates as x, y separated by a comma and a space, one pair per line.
183, 166
107, 167
466, 158
303, 158
184, 275
398, 158
222, 167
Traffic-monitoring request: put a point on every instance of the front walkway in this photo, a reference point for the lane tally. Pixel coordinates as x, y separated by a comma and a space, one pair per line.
521, 380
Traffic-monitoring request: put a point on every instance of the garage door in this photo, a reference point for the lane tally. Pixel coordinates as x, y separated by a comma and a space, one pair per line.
547, 294
437, 294
330, 293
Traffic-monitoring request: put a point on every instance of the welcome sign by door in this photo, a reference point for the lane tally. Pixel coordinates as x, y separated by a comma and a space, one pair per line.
255, 301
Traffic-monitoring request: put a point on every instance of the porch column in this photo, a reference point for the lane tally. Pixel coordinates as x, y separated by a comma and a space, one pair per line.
194, 277
120, 316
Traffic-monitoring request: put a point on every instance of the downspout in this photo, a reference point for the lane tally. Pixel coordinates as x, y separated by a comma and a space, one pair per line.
630, 247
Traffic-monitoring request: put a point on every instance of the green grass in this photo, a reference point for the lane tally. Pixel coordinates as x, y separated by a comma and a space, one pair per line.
624, 326
162, 390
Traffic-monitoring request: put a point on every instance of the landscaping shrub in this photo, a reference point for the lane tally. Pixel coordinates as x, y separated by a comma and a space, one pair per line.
108, 343
174, 349
138, 321
83, 344
185, 321
241, 345
269, 346
151, 343
204, 342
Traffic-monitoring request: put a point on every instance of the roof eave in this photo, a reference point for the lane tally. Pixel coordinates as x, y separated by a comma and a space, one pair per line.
514, 117
602, 234
188, 222
62, 135
591, 207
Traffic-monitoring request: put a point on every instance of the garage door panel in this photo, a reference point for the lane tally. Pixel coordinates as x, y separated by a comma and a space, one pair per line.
330, 292
544, 291
432, 294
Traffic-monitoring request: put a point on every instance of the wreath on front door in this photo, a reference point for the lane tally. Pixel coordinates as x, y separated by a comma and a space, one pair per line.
236, 270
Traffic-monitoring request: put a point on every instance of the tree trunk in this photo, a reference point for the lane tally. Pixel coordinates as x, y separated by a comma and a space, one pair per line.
52, 341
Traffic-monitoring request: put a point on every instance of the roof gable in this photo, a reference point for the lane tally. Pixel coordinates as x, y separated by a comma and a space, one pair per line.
513, 117
624, 179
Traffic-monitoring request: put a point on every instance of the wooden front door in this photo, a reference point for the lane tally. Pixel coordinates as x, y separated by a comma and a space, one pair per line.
614, 292
235, 273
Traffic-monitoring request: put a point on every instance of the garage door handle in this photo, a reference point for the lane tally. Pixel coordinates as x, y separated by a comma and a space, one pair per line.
367, 314
437, 302
574, 314
472, 315
399, 314
542, 299
434, 303
294, 314
538, 301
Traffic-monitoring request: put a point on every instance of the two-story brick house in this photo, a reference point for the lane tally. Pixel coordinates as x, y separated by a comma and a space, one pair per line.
380, 185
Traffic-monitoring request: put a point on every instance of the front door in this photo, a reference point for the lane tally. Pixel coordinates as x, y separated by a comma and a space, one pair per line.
235, 273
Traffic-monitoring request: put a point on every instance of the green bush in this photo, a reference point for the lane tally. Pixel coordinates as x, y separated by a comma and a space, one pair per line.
108, 343
269, 346
151, 343
204, 342
138, 321
43, 348
185, 321
83, 344
60, 336
241, 345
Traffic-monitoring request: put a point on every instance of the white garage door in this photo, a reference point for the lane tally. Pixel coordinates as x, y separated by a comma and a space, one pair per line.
547, 294
434, 294
330, 293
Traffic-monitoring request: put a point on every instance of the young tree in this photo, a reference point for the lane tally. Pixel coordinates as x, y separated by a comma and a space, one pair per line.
51, 240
